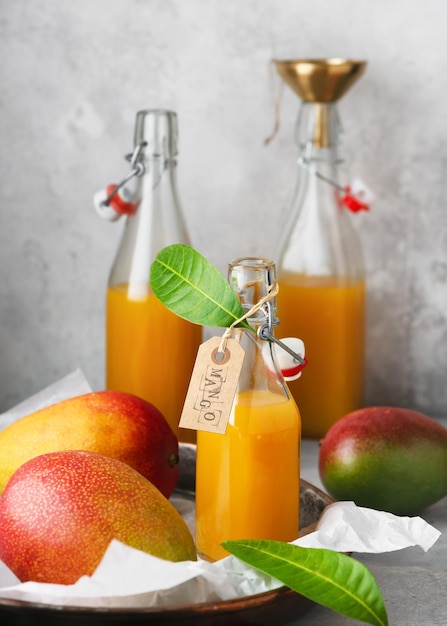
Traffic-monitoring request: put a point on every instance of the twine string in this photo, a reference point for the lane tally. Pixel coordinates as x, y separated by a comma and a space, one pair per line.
276, 97
272, 293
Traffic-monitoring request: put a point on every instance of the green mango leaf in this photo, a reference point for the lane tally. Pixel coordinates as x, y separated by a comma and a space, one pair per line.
193, 288
330, 578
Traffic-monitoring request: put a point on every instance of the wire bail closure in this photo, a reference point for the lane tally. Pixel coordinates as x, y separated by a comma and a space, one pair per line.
121, 199
356, 197
265, 332
138, 170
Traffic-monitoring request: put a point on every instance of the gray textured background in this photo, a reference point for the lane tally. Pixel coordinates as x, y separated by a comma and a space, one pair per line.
73, 75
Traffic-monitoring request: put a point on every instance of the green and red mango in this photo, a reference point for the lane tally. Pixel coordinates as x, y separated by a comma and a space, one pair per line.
386, 458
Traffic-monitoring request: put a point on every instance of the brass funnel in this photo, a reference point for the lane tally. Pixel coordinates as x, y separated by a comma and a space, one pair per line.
320, 80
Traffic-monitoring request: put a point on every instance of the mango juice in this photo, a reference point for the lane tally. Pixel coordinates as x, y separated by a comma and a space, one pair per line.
150, 353
247, 480
328, 314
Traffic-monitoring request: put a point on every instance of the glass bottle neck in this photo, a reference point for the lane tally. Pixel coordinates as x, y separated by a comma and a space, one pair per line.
158, 220
252, 279
318, 129
157, 131
317, 238
160, 177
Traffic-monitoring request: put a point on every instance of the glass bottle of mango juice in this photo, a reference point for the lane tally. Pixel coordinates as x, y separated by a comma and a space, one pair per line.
247, 480
150, 351
319, 257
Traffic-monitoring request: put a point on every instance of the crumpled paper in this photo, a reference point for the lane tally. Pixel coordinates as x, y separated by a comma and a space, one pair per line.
346, 527
128, 578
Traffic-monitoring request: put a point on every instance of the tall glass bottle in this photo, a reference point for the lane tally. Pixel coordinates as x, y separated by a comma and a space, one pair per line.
320, 264
150, 351
247, 480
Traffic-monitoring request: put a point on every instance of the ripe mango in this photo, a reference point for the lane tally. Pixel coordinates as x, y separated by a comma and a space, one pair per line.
59, 512
112, 423
385, 458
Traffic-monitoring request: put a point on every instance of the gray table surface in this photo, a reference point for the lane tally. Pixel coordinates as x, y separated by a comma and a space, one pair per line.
413, 582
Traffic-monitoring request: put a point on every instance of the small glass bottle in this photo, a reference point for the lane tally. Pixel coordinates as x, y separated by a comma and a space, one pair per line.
150, 351
319, 257
247, 480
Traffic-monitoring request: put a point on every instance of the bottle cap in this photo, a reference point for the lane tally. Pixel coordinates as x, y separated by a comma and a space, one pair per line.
102, 207
290, 368
121, 201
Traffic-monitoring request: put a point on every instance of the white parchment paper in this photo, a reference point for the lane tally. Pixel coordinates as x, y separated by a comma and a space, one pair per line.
129, 578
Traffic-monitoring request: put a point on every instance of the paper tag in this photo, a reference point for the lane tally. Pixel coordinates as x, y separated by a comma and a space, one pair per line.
212, 387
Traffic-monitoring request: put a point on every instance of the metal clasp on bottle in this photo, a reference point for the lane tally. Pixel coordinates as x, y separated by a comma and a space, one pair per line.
290, 362
120, 199
355, 197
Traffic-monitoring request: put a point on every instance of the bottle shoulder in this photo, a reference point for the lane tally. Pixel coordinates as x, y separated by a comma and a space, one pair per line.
317, 236
158, 222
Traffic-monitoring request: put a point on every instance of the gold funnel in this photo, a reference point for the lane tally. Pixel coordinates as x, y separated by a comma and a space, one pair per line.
322, 82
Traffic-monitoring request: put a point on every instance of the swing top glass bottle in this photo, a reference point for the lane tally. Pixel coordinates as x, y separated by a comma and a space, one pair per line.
247, 480
320, 263
150, 352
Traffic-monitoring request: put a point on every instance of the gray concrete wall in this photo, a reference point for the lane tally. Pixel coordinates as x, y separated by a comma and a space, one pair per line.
73, 74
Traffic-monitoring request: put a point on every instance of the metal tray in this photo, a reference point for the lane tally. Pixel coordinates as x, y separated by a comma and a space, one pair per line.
279, 607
